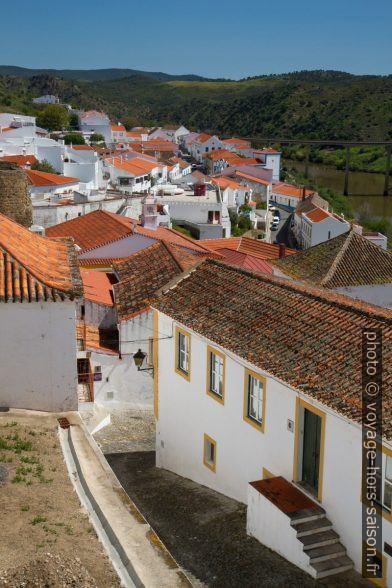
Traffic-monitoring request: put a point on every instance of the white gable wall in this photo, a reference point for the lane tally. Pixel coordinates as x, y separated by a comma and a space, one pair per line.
38, 356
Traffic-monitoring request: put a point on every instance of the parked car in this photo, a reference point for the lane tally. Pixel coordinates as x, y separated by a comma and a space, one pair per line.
274, 225
277, 212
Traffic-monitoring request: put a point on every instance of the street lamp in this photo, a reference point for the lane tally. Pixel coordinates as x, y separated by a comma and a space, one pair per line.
139, 358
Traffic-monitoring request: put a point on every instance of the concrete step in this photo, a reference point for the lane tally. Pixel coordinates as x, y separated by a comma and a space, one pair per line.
319, 539
325, 553
333, 566
313, 526
307, 514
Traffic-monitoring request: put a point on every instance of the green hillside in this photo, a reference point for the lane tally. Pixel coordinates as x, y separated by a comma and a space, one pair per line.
307, 105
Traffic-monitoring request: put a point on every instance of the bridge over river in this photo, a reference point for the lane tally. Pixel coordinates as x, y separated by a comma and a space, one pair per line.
333, 143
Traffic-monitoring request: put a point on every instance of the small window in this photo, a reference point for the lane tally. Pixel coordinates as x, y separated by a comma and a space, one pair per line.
97, 369
215, 374
183, 345
80, 344
329, 235
254, 399
209, 453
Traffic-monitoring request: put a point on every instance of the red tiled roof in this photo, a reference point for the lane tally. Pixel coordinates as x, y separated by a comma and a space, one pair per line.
20, 159
203, 137
144, 272
304, 336
317, 214
118, 127
347, 260
38, 178
290, 190
93, 229
98, 286
252, 178
34, 268
135, 166
81, 147
254, 247
245, 260
173, 237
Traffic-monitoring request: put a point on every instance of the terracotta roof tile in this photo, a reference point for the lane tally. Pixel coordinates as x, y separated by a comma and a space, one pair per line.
291, 190
317, 214
305, 336
144, 272
93, 229
98, 286
35, 268
346, 260
245, 260
38, 178
255, 247
20, 159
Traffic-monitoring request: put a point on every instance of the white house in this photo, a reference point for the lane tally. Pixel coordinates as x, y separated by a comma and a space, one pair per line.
319, 226
119, 133
271, 160
46, 99
288, 195
93, 121
257, 395
37, 316
41, 183
202, 144
135, 174
233, 193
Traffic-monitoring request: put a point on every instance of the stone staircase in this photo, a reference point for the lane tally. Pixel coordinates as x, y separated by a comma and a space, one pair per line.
327, 556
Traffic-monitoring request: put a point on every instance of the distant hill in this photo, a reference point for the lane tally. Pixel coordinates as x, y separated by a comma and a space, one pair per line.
300, 105
90, 75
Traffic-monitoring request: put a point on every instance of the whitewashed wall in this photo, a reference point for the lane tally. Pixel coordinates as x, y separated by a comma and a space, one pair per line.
186, 412
38, 356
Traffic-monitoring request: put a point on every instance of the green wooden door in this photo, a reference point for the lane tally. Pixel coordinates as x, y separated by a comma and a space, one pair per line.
311, 450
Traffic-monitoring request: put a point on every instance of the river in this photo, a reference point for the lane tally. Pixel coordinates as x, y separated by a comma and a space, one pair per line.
364, 188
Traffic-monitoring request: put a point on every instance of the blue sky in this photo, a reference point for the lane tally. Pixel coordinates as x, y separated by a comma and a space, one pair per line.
216, 38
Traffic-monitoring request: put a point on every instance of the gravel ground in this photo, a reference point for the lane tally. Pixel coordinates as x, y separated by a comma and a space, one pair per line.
49, 571
42, 524
206, 531
130, 430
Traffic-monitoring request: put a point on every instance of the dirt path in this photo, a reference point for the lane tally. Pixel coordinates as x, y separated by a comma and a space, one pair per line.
46, 537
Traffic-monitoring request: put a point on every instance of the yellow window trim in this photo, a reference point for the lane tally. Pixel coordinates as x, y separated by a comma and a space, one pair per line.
210, 466
380, 510
302, 404
220, 399
155, 360
257, 426
186, 375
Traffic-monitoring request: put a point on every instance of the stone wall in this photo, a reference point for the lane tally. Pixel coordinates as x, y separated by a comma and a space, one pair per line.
15, 201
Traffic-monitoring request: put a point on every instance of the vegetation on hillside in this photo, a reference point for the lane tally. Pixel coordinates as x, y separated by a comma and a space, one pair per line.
307, 105
366, 158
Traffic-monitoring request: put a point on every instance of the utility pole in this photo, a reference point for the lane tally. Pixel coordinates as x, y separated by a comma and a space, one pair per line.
387, 170
307, 152
347, 171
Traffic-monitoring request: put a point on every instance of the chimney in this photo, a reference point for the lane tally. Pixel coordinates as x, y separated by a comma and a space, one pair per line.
282, 250
303, 192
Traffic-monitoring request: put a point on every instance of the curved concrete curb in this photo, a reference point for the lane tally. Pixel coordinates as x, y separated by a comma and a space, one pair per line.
144, 557
85, 499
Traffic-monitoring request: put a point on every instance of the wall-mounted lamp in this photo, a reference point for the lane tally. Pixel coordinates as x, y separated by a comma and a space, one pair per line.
139, 358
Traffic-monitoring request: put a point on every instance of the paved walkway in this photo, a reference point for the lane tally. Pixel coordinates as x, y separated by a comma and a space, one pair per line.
131, 429
206, 531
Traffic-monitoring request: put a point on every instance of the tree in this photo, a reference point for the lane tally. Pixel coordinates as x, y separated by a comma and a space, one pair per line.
74, 138
129, 122
244, 223
53, 117
73, 121
97, 138
43, 166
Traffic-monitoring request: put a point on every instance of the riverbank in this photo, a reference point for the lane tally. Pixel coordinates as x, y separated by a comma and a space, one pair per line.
372, 212
369, 159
